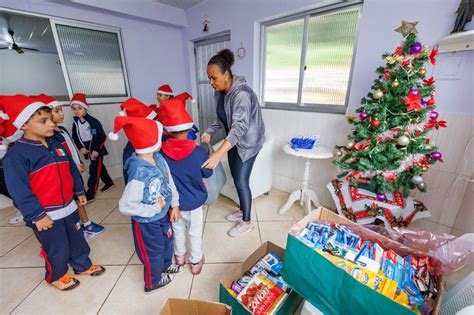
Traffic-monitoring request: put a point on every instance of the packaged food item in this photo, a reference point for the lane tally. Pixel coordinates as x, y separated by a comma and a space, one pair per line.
261, 296
232, 292
392, 267
236, 287
272, 263
244, 280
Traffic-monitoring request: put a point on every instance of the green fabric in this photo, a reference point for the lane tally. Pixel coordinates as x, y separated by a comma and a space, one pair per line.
288, 307
329, 288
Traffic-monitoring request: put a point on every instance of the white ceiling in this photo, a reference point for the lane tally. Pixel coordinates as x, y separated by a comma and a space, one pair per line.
182, 4
30, 32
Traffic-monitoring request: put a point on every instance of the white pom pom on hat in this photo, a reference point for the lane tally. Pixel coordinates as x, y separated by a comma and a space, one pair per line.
122, 113
113, 136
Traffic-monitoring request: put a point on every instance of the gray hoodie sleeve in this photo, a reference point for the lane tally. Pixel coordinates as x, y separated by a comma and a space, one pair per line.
216, 125
242, 103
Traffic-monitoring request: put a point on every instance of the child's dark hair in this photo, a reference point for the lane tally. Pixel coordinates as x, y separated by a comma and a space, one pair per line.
45, 109
224, 60
175, 134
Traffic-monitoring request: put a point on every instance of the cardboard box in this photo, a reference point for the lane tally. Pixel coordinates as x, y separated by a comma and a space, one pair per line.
194, 307
287, 307
327, 287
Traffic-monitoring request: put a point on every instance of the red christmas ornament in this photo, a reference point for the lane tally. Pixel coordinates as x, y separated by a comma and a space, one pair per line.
405, 63
398, 51
413, 102
392, 177
433, 54
375, 123
431, 101
429, 81
387, 74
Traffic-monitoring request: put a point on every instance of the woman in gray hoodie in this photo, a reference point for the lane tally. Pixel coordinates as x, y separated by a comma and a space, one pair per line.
239, 114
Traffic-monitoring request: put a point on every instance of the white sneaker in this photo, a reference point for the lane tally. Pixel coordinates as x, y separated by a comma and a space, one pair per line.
240, 229
235, 216
16, 219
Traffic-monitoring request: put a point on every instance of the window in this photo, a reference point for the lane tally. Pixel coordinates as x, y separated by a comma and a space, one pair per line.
75, 57
307, 59
92, 61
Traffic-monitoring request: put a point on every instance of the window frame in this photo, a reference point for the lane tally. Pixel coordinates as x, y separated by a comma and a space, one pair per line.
53, 20
299, 106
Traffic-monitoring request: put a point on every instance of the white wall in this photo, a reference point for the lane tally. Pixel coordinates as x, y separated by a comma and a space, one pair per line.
31, 74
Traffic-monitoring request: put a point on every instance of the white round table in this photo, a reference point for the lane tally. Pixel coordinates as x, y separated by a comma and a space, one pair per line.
303, 194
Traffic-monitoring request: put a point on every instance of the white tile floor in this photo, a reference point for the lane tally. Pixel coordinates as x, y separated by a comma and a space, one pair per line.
120, 290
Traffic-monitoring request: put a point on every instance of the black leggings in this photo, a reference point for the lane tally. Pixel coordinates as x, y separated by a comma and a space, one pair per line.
241, 174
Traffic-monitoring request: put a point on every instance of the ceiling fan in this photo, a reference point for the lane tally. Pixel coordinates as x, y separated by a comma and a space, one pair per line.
15, 46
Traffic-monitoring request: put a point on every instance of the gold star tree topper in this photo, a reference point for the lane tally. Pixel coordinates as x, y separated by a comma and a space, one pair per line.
407, 28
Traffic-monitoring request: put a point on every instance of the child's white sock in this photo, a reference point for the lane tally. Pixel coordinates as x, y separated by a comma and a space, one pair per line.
87, 223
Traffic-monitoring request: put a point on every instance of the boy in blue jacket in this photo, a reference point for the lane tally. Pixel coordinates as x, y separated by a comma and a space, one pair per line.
133, 108
43, 180
185, 158
89, 137
148, 197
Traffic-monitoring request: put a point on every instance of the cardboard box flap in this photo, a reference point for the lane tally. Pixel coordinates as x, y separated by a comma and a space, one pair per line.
194, 307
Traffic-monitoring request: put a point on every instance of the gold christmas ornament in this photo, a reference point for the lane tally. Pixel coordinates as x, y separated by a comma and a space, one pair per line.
424, 168
403, 141
377, 94
350, 144
395, 83
422, 71
351, 118
407, 28
393, 59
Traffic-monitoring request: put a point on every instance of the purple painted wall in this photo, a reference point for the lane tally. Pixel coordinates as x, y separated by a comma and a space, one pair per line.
153, 52
376, 35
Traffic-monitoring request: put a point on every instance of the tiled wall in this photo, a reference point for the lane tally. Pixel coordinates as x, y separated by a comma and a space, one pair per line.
447, 194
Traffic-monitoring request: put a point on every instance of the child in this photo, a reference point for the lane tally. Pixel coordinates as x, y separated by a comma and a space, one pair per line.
148, 195
133, 108
164, 93
193, 131
185, 158
42, 180
90, 137
62, 136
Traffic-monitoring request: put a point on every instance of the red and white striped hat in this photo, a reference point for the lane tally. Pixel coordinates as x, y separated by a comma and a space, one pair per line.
48, 100
173, 115
134, 108
165, 90
144, 134
79, 99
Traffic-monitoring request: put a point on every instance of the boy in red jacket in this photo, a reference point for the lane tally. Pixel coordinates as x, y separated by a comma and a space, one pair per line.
42, 180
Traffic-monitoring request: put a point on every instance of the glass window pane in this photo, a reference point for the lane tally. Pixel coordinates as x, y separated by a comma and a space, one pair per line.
93, 61
331, 41
282, 61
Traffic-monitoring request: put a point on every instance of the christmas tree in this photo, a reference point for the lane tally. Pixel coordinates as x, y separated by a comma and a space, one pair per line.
389, 149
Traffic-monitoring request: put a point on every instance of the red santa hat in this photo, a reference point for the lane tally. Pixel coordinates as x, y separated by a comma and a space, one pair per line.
134, 108
173, 115
19, 108
144, 134
8, 132
48, 100
79, 99
165, 90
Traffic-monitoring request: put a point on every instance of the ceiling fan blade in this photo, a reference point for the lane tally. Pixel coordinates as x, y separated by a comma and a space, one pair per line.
4, 47
32, 49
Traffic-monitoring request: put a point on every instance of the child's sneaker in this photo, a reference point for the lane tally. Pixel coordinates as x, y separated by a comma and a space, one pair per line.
196, 268
175, 269
17, 218
93, 229
234, 216
66, 282
164, 282
94, 271
180, 260
107, 186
